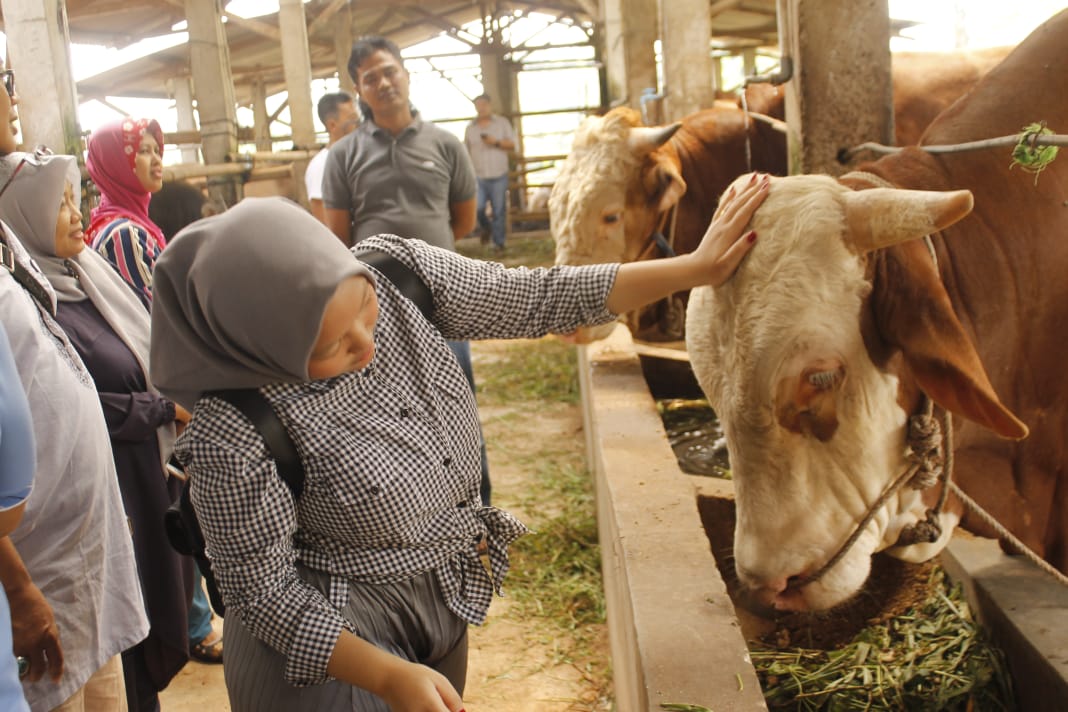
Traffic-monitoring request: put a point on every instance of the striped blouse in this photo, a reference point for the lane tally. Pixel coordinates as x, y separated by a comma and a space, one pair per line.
391, 456
132, 251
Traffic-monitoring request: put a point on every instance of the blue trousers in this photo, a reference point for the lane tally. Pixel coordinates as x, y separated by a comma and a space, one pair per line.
494, 191
462, 350
199, 611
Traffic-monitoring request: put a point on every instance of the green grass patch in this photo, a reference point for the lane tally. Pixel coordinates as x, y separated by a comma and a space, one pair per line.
536, 371
529, 250
556, 571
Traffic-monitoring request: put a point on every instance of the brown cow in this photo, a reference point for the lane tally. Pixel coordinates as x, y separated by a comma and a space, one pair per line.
925, 84
839, 322
621, 178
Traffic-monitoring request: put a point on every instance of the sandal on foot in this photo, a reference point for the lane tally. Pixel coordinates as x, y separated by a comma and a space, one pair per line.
209, 650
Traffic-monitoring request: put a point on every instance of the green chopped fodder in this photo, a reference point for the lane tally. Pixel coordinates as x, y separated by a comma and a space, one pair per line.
934, 658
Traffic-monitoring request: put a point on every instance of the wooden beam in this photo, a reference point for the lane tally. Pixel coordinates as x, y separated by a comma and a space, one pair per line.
439, 21
278, 112
260, 28
721, 6
114, 107
376, 27
324, 16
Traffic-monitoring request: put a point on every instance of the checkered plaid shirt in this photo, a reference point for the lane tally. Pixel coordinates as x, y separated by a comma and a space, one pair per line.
391, 456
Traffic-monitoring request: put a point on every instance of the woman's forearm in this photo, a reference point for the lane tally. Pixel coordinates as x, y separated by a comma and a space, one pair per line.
402, 684
641, 283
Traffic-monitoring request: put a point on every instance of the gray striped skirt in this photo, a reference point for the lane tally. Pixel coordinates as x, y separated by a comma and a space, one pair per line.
408, 619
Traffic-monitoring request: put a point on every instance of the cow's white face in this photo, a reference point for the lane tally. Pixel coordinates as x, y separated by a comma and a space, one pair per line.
814, 428
588, 209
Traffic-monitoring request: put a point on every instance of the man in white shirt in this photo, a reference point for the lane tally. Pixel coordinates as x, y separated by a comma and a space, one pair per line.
489, 138
338, 113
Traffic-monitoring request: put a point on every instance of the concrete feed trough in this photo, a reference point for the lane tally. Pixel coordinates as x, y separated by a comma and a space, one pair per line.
674, 632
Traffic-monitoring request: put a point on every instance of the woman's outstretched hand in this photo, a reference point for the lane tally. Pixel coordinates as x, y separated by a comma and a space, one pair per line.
726, 242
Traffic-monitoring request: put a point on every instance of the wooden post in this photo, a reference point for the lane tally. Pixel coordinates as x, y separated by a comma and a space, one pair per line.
182, 91
38, 42
840, 94
343, 47
297, 66
209, 58
685, 29
260, 118
629, 56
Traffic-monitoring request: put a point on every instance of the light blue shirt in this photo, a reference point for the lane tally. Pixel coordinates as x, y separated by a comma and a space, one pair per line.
17, 464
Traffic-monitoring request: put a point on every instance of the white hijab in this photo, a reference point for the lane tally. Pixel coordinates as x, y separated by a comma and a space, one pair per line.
29, 204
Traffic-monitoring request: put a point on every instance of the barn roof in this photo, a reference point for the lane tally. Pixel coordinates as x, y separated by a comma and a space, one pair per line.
255, 49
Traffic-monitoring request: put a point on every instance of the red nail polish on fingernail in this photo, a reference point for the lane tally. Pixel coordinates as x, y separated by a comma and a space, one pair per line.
751, 236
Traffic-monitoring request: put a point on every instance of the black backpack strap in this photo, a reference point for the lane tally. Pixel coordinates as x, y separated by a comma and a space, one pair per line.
403, 277
23, 277
256, 408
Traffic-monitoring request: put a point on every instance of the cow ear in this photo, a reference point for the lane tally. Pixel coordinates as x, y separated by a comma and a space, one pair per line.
881, 217
663, 184
913, 313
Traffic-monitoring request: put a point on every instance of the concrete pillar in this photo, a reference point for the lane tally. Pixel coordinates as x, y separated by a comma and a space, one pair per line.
629, 57
343, 38
499, 81
209, 58
685, 29
840, 94
297, 65
182, 91
260, 118
38, 44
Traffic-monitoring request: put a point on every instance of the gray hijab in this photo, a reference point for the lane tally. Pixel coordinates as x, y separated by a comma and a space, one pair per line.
30, 206
238, 298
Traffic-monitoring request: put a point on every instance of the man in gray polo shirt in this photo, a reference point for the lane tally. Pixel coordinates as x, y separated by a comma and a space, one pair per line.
399, 174
396, 173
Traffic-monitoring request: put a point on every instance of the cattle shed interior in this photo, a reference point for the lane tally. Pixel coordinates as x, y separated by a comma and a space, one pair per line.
664, 57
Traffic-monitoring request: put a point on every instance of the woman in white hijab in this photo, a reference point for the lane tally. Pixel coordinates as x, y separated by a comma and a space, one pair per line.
109, 328
357, 593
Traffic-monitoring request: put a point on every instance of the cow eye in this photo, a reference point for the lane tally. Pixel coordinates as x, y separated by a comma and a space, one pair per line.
611, 218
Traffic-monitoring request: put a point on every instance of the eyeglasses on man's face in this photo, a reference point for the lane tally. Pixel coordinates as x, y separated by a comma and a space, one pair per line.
9, 81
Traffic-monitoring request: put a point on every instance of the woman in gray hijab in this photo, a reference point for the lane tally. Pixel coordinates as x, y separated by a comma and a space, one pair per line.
357, 594
109, 328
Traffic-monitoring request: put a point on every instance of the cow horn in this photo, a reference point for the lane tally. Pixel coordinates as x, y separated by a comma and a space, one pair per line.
645, 139
881, 217
777, 124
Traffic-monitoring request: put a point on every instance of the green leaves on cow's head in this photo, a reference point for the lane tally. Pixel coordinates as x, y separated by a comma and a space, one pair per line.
1031, 156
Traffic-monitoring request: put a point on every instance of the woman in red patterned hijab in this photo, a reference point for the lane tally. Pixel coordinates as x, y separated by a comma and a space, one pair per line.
125, 163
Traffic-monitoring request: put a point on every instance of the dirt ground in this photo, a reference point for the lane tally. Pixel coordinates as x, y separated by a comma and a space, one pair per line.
516, 664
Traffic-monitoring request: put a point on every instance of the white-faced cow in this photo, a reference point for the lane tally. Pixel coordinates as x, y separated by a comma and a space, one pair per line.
621, 178
841, 322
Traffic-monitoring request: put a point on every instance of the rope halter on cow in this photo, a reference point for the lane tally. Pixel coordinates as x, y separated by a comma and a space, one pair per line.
657, 239
673, 320
930, 461
930, 452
